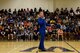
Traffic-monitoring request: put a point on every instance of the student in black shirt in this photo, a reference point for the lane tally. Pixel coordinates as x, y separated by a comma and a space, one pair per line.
11, 34
66, 13
71, 13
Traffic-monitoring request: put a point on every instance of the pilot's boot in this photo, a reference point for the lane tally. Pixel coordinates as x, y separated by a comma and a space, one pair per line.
41, 50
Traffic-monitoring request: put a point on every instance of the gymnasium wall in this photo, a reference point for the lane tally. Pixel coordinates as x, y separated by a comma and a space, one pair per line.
45, 4
67, 3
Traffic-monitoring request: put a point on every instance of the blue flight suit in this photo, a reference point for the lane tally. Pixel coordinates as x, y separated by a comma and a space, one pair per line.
42, 23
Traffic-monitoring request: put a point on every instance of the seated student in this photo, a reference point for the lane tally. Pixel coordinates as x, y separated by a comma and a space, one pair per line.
63, 27
9, 11
72, 32
31, 35
61, 15
50, 32
77, 9
66, 13
11, 34
2, 33
79, 24
7, 30
21, 27
71, 14
76, 36
23, 35
65, 35
68, 30
31, 12
56, 12
79, 34
72, 36
60, 33
18, 35
36, 33
58, 25
77, 13
10, 21
25, 24
35, 11
54, 37
26, 34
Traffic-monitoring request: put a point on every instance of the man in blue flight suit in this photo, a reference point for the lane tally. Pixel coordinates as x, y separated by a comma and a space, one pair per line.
42, 23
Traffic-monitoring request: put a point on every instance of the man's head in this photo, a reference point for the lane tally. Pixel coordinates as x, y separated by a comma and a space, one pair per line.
41, 14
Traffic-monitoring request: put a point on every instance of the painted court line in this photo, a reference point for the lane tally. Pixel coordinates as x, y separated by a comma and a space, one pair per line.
72, 47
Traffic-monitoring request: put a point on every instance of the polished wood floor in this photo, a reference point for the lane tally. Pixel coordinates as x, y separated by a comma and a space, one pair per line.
51, 46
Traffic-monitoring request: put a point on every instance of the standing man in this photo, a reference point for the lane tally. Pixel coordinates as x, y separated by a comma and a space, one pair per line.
42, 24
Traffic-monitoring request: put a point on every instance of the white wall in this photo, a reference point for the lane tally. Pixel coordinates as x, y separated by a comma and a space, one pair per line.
67, 3
45, 4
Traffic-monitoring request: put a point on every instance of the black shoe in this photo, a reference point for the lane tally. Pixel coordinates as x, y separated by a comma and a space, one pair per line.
42, 50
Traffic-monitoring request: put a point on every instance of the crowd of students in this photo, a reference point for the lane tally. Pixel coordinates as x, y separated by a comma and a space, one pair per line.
22, 24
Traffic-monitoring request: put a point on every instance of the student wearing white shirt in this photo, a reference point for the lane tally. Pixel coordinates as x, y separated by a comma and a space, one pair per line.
77, 13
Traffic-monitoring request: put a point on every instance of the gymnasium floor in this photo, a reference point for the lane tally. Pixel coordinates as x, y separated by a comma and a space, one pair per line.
31, 47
